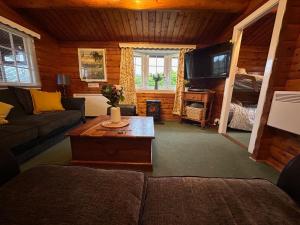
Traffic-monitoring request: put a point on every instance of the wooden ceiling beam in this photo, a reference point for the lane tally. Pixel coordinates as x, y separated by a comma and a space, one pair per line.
230, 6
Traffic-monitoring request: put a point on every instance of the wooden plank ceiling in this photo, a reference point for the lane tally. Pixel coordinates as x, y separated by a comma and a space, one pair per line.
164, 21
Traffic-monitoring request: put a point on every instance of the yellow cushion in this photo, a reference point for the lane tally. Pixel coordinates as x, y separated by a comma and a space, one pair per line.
46, 101
4, 111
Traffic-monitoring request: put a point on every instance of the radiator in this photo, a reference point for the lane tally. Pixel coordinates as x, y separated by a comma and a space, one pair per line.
95, 104
285, 111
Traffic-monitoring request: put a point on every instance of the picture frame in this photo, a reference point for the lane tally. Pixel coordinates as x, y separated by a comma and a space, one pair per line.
92, 64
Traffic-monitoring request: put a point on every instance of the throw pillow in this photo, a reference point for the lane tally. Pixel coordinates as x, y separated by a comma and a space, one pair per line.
24, 98
4, 111
46, 101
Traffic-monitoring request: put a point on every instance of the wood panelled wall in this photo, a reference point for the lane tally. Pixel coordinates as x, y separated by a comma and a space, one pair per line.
47, 51
167, 101
69, 63
274, 146
253, 58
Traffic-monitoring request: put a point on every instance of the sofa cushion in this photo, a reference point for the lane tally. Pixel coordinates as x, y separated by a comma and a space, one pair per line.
50, 121
72, 195
212, 201
46, 101
24, 98
8, 96
13, 135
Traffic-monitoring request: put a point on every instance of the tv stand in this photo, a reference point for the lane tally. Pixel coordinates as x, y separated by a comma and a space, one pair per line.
200, 115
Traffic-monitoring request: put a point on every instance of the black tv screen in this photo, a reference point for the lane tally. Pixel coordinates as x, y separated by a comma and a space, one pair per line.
209, 62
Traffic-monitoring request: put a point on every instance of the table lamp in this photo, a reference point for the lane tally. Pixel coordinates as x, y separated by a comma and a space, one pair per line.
63, 80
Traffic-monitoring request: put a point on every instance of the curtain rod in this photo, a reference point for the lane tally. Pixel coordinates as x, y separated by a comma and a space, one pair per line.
19, 27
153, 45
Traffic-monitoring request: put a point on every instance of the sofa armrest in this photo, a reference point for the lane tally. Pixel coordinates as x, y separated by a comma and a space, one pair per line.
75, 104
9, 166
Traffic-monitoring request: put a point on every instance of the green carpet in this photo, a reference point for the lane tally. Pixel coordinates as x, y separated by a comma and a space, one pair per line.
241, 136
183, 150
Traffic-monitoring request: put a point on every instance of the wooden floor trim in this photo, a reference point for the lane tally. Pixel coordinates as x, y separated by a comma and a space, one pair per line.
235, 141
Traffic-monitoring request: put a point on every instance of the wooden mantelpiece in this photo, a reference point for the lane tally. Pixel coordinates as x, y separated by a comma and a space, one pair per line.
204, 97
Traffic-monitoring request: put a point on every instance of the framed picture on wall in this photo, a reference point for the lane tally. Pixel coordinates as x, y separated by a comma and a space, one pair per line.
92, 64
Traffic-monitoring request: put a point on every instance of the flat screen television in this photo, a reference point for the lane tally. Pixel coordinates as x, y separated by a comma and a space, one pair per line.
209, 62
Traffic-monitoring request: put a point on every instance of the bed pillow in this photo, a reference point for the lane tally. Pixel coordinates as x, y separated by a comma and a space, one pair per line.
242, 117
4, 111
46, 101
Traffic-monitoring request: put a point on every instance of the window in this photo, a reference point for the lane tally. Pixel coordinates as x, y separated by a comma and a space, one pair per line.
174, 68
156, 71
151, 65
138, 71
17, 58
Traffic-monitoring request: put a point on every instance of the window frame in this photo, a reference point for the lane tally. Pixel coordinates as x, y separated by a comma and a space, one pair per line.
145, 71
30, 54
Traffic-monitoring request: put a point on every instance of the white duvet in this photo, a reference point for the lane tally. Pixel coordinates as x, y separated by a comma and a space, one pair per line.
242, 118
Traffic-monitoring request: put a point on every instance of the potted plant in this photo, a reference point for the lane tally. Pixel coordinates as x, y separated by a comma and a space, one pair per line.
157, 77
187, 84
114, 94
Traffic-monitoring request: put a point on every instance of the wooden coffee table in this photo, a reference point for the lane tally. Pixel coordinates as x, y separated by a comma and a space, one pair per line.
128, 147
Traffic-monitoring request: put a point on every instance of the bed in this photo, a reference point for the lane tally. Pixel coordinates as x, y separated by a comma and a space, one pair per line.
245, 96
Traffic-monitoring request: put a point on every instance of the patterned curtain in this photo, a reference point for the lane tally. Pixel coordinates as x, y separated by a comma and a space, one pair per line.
127, 76
180, 82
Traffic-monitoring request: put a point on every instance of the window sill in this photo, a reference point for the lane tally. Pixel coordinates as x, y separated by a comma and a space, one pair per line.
156, 91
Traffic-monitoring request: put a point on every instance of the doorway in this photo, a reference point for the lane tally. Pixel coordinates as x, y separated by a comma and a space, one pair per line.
275, 8
249, 77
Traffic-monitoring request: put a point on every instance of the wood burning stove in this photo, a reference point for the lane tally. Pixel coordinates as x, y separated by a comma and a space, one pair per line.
153, 109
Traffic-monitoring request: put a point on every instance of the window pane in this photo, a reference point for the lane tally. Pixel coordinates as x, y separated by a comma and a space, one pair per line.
160, 70
1, 75
175, 62
10, 74
21, 59
18, 43
152, 70
138, 71
173, 77
24, 75
7, 56
160, 61
138, 61
150, 82
152, 61
4, 39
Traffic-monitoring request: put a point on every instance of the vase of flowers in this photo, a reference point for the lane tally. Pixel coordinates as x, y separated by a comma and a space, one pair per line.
187, 85
114, 94
157, 77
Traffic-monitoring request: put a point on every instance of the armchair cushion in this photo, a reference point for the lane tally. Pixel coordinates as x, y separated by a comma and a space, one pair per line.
74, 104
24, 98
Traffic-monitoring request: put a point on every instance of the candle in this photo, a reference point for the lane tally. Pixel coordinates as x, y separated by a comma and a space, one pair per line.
115, 114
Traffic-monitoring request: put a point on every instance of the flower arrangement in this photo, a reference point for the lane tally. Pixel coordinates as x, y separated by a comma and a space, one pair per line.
114, 93
157, 77
186, 83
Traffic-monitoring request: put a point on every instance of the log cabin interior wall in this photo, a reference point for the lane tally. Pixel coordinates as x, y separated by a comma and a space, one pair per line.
69, 63
275, 146
73, 26
57, 50
47, 50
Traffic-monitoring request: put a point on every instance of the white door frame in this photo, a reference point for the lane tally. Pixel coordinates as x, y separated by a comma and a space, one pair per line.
237, 39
